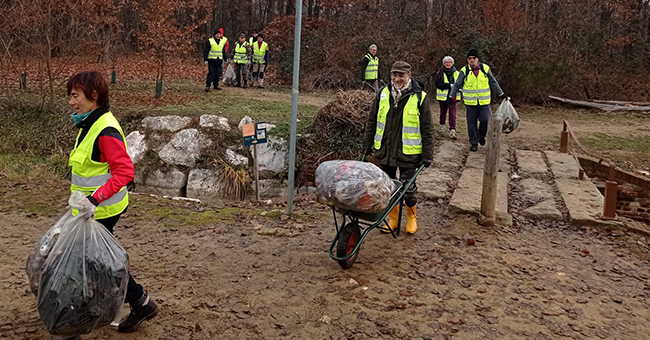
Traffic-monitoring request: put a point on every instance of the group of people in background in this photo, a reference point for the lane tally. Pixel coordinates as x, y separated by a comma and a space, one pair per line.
249, 56
475, 81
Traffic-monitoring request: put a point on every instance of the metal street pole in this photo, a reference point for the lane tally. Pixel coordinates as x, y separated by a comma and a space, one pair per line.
294, 106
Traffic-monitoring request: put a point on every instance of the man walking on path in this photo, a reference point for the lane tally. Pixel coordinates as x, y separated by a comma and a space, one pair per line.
213, 55
260, 59
242, 59
400, 133
370, 67
476, 81
446, 76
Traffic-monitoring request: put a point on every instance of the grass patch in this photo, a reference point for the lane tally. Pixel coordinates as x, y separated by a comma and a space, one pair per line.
633, 149
25, 168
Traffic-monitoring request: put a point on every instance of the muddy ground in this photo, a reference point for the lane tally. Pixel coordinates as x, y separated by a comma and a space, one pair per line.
251, 273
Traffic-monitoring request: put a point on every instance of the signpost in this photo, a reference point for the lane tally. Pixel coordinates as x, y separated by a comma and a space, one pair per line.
255, 133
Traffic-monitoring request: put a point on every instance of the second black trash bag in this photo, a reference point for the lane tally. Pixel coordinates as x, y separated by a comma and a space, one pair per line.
84, 279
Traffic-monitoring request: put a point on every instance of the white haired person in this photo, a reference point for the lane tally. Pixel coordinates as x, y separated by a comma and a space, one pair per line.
370, 67
446, 76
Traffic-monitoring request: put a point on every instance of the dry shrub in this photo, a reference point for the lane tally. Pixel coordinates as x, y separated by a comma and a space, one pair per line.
233, 182
339, 129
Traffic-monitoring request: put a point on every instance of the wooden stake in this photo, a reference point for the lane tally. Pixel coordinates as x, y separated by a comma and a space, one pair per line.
491, 171
257, 175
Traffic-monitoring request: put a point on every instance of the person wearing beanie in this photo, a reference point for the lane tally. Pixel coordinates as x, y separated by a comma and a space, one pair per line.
214, 53
242, 58
260, 60
446, 76
400, 134
477, 84
370, 67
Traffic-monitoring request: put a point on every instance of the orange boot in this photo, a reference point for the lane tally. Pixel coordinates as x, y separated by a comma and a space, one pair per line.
393, 217
411, 220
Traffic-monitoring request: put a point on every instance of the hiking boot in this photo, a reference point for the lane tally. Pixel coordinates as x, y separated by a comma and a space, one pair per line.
217, 88
245, 85
473, 148
207, 89
262, 83
146, 310
452, 134
481, 141
442, 128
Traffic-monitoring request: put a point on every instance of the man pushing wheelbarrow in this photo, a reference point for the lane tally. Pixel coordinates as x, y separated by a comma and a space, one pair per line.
400, 134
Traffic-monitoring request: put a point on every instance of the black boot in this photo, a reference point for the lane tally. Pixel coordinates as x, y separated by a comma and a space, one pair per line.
141, 310
207, 88
245, 84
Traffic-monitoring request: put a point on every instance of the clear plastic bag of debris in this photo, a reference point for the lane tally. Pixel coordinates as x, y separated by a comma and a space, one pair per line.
229, 78
84, 277
510, 116
353, 185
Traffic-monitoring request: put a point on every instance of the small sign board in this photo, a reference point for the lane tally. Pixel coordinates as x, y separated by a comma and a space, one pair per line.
254, 133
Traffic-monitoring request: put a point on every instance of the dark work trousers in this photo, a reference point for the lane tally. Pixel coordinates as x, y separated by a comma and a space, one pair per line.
477, 114
243, 69
405, 174
133, 291
215, 69
444, 107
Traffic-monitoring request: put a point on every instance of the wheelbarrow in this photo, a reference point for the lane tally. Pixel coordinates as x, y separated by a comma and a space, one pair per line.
356, 225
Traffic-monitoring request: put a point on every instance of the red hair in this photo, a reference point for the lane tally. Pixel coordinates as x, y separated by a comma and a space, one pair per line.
90, 82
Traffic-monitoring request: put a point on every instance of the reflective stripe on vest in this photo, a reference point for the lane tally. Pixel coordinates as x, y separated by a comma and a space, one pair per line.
259, 53
216, 50
372, 70
476, 90
241, 56
411, 135
88, 175
442, 94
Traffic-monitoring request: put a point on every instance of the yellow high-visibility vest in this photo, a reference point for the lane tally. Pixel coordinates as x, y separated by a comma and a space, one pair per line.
88, 175
259, 52
476, 90
216, 50
241, 56
372, 70
411, 136
442, 94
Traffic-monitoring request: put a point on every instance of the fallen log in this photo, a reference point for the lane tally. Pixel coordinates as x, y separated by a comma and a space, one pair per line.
617, 102
606, 107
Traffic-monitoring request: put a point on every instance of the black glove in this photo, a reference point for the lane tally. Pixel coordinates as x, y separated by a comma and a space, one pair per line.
92, 200
503, 96
427, 163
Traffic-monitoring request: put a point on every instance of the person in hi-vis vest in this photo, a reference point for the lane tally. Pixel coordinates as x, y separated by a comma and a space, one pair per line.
101, 169
370, 67
400, 134
214, 53
242, 58
260, 60
477, 82
446, 76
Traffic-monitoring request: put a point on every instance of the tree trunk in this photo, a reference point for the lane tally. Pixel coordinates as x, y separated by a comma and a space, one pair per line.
48, 54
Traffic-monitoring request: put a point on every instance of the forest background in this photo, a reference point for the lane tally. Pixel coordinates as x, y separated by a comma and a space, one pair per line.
580, 49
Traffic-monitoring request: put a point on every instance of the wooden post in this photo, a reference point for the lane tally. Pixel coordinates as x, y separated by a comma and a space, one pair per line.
257, 175
491, 171
611, 190
564, 140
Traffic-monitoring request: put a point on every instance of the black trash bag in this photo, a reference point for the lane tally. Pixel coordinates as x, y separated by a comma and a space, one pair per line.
39, 255
353, 185
84, 278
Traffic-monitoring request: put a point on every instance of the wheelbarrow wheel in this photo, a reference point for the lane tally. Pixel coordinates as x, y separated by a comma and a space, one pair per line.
349, 238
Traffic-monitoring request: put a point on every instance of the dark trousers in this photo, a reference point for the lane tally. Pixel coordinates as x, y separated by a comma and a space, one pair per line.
477, 122
133, 291
215, 69
444, 107
243, 69
405, 174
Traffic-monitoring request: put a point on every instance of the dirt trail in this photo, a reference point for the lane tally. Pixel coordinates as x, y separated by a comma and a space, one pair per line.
228, 280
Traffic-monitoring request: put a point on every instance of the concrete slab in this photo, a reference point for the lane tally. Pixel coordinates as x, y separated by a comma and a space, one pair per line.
531, 163
545, 210
434, 183
584, 202
563, 165
476, 160
467, 197
537, 190
449, 155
